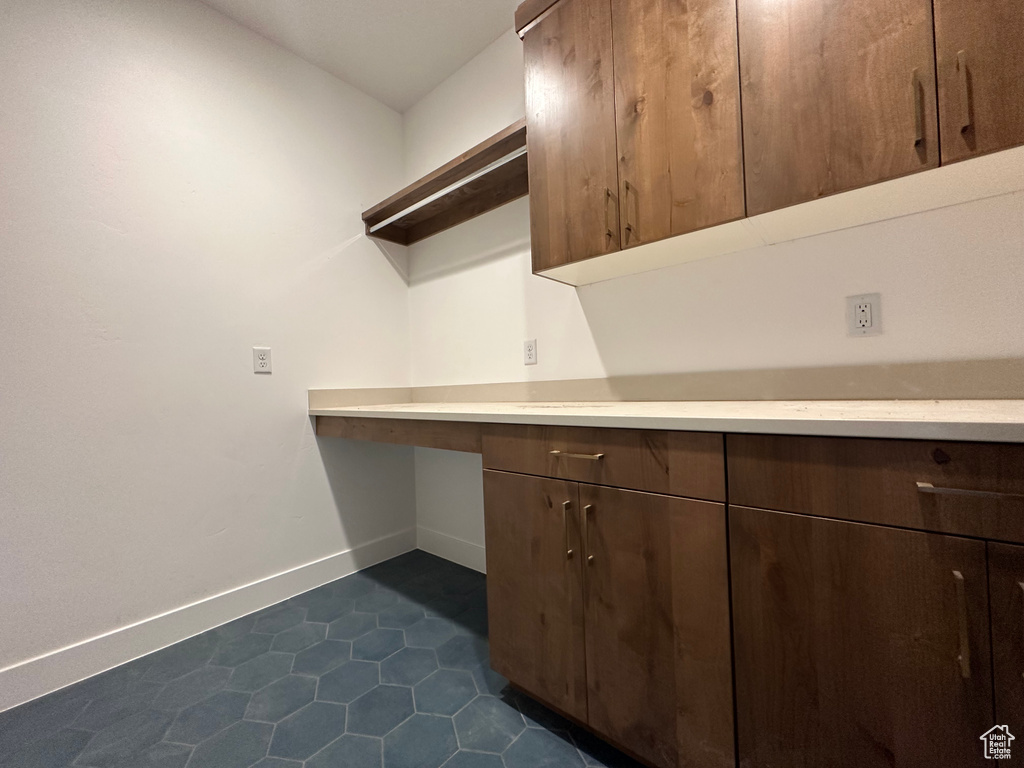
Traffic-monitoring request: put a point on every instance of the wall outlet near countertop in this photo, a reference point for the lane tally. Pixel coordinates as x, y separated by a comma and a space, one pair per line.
864, 314
261, 360
530, 352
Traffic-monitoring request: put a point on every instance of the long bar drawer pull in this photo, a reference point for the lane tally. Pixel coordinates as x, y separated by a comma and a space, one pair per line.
588, 456
929, 488
964, 657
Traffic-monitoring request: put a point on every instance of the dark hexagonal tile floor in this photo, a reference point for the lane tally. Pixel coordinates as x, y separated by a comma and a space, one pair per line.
386, 668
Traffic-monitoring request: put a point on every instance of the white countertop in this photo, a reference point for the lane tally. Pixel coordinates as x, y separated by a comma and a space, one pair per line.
980, 420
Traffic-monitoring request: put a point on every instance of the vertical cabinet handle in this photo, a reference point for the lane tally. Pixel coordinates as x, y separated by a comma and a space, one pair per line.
587, 513
611, 232
964, 657
629, 196
915, 82
566, 506
1021, 585
965, 91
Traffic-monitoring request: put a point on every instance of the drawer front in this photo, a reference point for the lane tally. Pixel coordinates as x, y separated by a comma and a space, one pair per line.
970, 489
675, 463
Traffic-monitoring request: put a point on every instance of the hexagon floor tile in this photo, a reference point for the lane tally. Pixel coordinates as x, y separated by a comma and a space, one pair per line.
399, 679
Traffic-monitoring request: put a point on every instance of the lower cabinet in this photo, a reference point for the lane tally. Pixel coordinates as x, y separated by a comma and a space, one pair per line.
859, 646
1006, 584
612, 606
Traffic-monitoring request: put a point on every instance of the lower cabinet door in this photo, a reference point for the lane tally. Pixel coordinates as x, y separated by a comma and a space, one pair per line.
1006, 584
535, 587
657, 617
858, 646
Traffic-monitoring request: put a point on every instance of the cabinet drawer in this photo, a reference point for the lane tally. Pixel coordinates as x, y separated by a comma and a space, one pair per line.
675, 463
971, 489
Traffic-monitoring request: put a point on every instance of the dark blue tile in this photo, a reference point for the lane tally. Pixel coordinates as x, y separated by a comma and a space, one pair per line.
280, 620
239, 746
308, 731
56, 751
181, 658
352, 625
327, 606
354, 586
378, 644
463, 759
472, 621
408, 666
193, 688
445, 606
106, 684
241, 650
375, 602
375, 713
348, 682
537, 748
128, 737
349, 752
398, 570
136, 698
280, 699
488, 725
261, 671
422, 741
463, 652
445, 692
429, 633
38, 719
322, 657
539, 716
160, 755
202, 720
599, 754
277, 762
400, 616
488, 681
300, 637
234, 629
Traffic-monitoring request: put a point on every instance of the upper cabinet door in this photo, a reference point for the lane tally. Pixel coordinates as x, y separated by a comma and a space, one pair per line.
980, 50
678, 116
837, 94
570, 118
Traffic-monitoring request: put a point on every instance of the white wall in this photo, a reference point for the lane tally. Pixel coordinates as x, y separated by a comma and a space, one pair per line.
175, 190
950, 283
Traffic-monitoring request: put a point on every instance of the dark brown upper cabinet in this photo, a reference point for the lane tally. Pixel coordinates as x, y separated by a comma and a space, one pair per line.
570, 116
979, 45
837, 94
677, 117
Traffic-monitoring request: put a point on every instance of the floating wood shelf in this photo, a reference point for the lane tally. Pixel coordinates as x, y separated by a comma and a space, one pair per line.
489, 175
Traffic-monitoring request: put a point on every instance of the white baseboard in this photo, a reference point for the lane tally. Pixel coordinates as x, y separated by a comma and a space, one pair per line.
58, 669
450, 548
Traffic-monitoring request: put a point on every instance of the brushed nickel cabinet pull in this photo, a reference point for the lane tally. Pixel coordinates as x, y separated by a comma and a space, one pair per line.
915, 82
630, 195
965, 91
964, 657
590, 559
587, 512
566, 506
929, 488
610, 232
588, 456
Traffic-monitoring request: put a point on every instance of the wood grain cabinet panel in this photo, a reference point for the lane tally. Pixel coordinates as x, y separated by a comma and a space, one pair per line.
657, 618
535, 587
677, 463
837, 94
1006, 583
570, 117
972, 489
979, 45
678, 118
858, 646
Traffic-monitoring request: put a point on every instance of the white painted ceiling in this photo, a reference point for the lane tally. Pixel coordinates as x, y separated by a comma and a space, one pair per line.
395, 50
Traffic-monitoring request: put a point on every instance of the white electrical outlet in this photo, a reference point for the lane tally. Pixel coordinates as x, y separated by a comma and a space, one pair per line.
530, 352
261, 360
864, 314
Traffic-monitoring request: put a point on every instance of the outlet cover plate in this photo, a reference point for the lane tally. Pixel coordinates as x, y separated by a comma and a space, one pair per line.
261, 362
864, 314
530, 352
